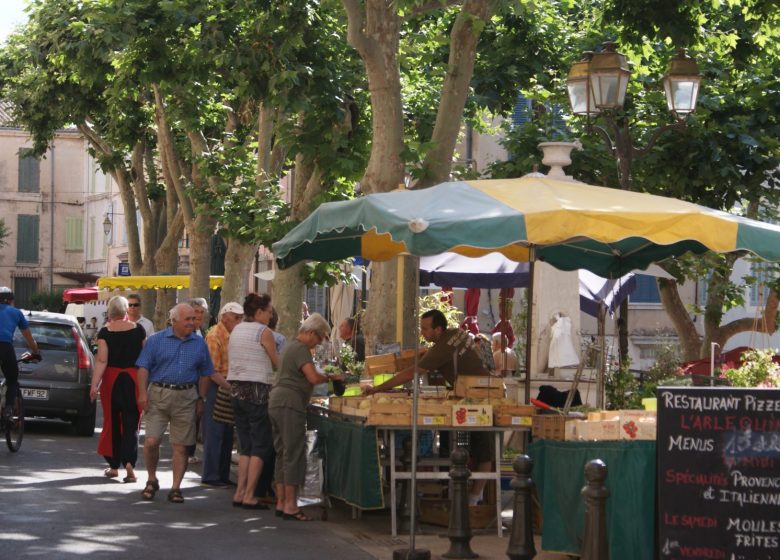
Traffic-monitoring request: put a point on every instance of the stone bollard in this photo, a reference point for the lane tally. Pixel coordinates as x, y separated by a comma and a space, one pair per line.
521, 538
459, 531
595, 545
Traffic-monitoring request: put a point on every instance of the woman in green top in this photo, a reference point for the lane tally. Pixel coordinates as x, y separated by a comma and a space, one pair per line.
287, 410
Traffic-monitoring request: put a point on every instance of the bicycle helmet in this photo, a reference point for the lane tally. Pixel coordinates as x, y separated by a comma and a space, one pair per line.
6, 294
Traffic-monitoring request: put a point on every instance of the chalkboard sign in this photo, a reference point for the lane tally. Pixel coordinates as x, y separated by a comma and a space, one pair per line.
719, 473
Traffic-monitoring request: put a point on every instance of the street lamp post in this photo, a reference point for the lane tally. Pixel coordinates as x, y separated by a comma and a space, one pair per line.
597, 88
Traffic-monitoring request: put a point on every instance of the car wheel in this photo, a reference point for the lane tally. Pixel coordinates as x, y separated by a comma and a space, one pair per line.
85, 425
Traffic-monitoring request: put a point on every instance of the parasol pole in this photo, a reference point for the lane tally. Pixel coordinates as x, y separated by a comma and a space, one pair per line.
601, 329
415, 399
528, 324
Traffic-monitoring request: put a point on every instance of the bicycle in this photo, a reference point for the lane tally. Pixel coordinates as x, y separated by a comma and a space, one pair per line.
13, 426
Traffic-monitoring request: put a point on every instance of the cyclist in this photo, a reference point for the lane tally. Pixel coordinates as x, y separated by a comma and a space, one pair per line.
10, 319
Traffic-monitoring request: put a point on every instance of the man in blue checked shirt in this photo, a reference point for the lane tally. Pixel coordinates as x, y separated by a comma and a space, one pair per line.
173, 372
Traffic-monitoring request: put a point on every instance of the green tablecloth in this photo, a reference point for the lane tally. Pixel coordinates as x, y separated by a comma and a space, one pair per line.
352, 470
631, 513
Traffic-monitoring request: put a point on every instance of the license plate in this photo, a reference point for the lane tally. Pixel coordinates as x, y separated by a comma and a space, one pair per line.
40, 394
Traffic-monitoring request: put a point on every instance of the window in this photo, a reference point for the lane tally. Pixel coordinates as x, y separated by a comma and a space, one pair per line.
759, 290
27, 239
316, 300
24, 289
29, 172
74, 234
521, 113
646, 290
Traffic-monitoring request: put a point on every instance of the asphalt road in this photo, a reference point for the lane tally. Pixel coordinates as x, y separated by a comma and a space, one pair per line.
56, 504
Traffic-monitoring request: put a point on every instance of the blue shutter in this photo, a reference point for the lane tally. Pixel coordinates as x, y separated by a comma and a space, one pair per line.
27, 239
521, 114
646, 290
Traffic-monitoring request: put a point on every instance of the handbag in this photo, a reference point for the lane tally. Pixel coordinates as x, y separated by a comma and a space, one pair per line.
223, 407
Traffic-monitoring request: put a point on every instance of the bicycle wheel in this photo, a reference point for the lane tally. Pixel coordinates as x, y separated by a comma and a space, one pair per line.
14, 428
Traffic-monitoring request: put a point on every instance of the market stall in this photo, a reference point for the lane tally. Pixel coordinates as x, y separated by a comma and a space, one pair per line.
565, 223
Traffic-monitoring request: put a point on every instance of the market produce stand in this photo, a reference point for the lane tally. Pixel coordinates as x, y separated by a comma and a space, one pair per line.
353, 463
631, 519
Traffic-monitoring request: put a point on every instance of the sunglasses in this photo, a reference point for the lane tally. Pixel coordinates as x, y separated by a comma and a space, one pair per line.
133, 305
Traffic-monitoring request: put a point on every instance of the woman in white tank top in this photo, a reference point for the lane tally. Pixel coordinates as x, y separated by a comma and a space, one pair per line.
251, 360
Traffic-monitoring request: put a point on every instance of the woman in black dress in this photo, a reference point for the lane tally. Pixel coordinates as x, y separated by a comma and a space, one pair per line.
119, 344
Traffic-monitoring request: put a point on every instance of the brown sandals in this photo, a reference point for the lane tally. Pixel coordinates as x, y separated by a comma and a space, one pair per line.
151, 488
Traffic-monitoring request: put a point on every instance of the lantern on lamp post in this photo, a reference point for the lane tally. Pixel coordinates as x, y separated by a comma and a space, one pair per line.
597, 87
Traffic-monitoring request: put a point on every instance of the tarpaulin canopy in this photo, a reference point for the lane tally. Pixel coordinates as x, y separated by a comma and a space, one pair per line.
80, 295
178, 282
567, 224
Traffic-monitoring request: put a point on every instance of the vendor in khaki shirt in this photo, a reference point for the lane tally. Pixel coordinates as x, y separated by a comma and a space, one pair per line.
452, 349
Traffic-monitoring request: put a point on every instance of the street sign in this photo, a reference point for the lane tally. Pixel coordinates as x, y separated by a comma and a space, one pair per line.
123, 269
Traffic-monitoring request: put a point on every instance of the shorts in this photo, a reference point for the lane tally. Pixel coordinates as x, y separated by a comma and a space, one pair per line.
171, 407
254, 429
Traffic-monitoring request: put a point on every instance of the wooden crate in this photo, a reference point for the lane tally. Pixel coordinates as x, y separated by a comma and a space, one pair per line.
479, 387
379, 363
404, 360
335, 404
351, 406
389, 418
513, 414
436, 511
549, 426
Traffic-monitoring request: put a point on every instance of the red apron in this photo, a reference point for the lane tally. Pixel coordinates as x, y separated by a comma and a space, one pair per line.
105, 445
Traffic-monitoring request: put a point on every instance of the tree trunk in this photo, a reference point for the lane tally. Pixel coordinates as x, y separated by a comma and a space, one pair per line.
460, 69
200, 233
287, 296
690, 341
238, 263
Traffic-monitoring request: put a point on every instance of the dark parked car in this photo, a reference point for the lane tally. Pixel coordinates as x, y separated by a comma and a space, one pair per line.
58, 385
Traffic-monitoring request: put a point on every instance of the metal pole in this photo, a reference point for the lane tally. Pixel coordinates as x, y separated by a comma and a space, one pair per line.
528, 327
412, 553
713, 345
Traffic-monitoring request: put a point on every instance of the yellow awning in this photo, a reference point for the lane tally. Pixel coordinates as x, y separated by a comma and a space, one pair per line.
178, 282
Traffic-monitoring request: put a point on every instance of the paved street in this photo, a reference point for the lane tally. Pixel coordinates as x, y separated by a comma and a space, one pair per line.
56, 504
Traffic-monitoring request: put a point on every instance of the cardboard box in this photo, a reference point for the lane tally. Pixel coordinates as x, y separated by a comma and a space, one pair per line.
638, 425
599, 430
571, 430
549, 426
479, 386
472, 415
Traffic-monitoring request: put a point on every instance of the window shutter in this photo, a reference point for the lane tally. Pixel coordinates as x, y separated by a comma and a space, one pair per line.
646, 290
27, 239
521, 114
74, 234
29, 173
